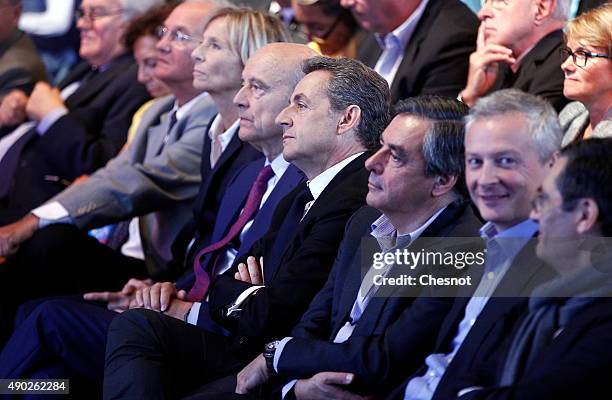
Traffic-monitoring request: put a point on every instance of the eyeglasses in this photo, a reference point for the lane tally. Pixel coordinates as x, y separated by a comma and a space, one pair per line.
177, 37
94, 14
580, 57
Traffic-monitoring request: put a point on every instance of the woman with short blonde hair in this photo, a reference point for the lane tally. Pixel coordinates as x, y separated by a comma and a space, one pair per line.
588, 76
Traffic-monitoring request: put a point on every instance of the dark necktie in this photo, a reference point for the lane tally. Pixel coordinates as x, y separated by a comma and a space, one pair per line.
200, 288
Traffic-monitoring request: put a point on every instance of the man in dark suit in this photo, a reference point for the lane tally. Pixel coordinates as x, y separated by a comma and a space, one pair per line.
75, 131
336, 112
507, 157
20, 64
559, 347
419, 47
32, 351
416, 189
519, 48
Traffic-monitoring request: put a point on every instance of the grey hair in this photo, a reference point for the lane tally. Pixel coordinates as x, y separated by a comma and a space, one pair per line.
562, 10
443, 144
540, 117
353, 83
135, 8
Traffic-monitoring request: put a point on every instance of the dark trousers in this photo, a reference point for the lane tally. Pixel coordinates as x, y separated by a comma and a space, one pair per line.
153, 356
59, 338
61, 260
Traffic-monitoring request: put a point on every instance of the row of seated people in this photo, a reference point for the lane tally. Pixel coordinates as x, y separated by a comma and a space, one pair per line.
320, 230
79, 135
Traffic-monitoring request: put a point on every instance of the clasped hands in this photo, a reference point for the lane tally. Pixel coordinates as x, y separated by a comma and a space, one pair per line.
161, 296
16, 106
322, 386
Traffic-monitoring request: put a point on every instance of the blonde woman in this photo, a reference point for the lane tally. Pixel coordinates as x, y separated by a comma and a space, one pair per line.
588, 76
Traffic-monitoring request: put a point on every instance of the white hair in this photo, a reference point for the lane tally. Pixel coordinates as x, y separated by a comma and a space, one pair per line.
134, 8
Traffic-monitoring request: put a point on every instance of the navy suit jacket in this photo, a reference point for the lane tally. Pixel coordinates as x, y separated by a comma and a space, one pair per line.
295, 265
376, 357
231, 205
575, 365
437, 56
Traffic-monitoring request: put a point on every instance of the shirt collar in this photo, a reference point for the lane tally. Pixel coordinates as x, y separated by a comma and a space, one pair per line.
225, 136
402, 34
386, 234
183, 110
517, 64
320, 182
279, 165
513, 239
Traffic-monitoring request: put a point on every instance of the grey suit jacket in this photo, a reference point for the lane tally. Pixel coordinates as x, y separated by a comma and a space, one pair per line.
20, 65
155, 177
574, 119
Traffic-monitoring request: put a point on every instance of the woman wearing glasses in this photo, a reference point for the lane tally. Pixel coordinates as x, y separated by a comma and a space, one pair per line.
330, 28
588, 76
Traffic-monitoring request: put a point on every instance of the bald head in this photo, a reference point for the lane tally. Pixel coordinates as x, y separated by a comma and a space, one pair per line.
269, 77
283, 61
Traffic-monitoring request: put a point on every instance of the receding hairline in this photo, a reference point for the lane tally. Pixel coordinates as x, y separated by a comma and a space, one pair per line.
287, 59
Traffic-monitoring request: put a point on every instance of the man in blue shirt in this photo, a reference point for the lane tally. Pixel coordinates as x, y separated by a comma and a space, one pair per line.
511, 138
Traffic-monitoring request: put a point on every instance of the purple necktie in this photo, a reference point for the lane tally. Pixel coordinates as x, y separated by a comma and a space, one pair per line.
200, 288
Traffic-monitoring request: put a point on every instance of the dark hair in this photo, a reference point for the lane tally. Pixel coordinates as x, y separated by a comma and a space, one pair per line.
352, 83
443, 145
146, 24
588, 174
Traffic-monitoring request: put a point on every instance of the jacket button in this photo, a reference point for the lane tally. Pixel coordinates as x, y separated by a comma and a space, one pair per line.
242, 340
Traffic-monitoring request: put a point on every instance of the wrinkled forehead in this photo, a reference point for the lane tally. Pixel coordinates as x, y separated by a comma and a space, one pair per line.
106, 4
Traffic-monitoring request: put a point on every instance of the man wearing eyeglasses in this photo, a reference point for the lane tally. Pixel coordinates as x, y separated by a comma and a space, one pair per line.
20, 65
76, 128
518, 47
418, 46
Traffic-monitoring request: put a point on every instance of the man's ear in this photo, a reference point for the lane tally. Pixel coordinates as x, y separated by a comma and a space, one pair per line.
544, 10
587, 213
349, 120
443, 184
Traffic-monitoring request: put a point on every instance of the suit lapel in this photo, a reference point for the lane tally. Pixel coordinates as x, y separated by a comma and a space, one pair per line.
157, 135
290, 179
97, 83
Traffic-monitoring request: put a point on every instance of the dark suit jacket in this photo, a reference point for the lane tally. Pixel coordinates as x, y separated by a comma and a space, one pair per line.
93, 131
436, 59
208, 201
377, 357
296, 273
492, 326
575, 365
540, 72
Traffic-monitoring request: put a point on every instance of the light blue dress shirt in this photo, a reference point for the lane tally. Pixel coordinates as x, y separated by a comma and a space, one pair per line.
500, 254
